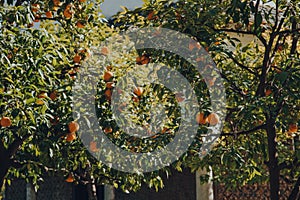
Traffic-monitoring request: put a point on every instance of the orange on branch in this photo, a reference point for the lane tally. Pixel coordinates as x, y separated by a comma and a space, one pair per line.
108, 94
77, 58
53, 95
193, 44
49, 14
179, 97
293, 128
37, 18
150, 16
70, 179
268, 92
39, 102
80, 24
35, 7
200, 118
57, 2
107, 75
71, 136
108, 130
213, 119
109, 85
42, 95
93, 146
68, 13
138, 91
5, 122
73, 126
104, 51
142, 60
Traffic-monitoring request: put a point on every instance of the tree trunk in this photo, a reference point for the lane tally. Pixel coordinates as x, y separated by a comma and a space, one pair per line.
4, 166
274, 171
4, 163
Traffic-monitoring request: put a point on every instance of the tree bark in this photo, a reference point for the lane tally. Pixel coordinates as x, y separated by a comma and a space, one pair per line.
274, 171
4, 166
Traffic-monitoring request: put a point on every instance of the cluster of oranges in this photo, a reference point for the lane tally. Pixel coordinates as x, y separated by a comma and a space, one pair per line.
43, 95
73, 127
108, 76
80, 55
68, 12
212, 119
143, 60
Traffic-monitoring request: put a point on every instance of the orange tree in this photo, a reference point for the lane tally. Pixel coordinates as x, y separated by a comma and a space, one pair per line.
260, 139
43, 44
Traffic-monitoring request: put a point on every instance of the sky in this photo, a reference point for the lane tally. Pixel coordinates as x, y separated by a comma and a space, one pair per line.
111, 7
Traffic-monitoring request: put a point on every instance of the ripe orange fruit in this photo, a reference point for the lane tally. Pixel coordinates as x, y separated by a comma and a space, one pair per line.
49, 14
55, 8
53, 95
108, 130
73, 126
212, 81
104, 51
164, 130
109, 85
135, 99
82, 1
268, 92
200, 118
42, 95
150, 15
138, 91
37, 18
77, 58
70, 179
79, 24
107, 76
108, 94
39, 102
179, 97
293, 128
57, 2
72, 73
68, 13
30, 25
213, 119
200, 59
5, 122
93, 146
71, 137
35, 7
193, 44
142, 60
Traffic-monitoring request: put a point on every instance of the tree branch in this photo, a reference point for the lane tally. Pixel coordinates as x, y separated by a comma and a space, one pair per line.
242, 66
293, 31
233, 85
13, 147
231, 30
263, 126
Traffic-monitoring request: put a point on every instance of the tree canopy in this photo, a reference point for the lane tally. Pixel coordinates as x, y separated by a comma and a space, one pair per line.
46, 44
